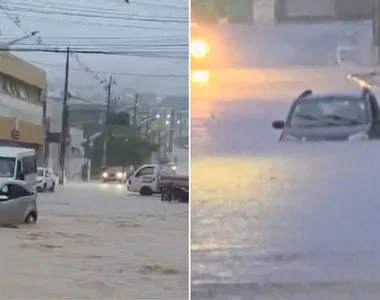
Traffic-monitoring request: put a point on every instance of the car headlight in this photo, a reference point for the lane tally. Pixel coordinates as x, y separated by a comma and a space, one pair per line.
199, 49
105, 175
360, 136
119, 175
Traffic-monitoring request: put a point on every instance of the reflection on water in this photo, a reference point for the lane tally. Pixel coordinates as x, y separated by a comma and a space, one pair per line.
287, 222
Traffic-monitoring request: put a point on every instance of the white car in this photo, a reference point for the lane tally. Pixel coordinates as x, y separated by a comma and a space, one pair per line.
46, 180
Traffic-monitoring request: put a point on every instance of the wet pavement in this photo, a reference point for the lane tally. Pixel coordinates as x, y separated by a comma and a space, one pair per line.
97, 241
279, 221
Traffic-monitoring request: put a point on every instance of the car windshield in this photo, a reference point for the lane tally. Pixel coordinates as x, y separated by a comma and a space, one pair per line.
342, 111
7, 166
40, 172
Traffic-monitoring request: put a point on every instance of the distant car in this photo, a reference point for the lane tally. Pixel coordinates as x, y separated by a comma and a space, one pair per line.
114, 174
46, 180
331, 117
17, 203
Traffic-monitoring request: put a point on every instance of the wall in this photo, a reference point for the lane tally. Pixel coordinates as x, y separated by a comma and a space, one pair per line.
22, 115
14, 66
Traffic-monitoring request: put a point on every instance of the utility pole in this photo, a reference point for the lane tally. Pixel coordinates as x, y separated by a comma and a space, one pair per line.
171, 130
135, 107
65, 119
147, 126
105, 129
376, 28
46, 126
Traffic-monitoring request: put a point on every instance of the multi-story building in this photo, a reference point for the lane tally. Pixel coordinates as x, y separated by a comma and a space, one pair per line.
22, 90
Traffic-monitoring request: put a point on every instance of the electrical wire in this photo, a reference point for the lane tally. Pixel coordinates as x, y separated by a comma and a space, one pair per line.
94, 15
161, 47
9, 11
115, 73
73, 4
151, 54
55, 20
98, 11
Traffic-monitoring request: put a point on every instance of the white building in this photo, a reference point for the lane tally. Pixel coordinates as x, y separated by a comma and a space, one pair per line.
74, 152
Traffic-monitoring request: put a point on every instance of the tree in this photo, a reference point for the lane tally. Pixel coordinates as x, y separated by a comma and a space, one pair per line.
122, 151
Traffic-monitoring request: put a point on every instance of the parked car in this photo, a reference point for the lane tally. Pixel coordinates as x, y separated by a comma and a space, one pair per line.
331, 117
18, 204
46, 180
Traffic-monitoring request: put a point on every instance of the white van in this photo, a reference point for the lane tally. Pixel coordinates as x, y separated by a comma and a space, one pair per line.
145, 180
19, 164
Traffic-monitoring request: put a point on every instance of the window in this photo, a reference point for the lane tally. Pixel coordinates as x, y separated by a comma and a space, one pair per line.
7, 166
145, 171
17, 191
29, 164
19, 171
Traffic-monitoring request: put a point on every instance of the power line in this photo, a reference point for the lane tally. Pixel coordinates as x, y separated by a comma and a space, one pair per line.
138, 38
95, 16
56, 20
116, 73
83, 9
144, 4
162, 47
156, 54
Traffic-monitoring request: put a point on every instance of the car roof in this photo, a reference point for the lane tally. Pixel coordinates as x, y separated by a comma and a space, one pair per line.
13, 151
319, 96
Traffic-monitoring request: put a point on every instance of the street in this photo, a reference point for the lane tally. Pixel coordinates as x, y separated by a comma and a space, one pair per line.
98, 241
280, 221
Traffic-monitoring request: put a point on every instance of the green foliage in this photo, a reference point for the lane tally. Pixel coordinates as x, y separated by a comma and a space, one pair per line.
122, 151
238, 11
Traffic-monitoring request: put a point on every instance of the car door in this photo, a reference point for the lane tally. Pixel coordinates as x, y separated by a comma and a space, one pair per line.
20, 201
140, 178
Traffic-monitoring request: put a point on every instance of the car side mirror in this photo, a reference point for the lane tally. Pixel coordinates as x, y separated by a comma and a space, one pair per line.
21, 176
278, 124
3, 198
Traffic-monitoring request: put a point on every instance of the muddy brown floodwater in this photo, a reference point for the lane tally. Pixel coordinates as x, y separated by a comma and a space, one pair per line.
97, 241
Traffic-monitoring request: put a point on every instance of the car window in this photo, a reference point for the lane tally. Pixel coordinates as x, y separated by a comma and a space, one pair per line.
19, 171
329, 111
7, 166
145, 171
17, 191
29, 165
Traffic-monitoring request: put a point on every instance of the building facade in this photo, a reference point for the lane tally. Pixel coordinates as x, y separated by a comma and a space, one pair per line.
22, 90
74, 150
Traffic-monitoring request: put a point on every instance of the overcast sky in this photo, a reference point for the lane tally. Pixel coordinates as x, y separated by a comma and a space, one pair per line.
110, 25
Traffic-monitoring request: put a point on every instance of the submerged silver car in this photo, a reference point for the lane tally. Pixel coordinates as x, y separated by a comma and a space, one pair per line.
331, 117
17, 203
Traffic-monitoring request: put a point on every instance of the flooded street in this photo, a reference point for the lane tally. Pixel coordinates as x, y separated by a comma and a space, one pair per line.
277, 221
97, 241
